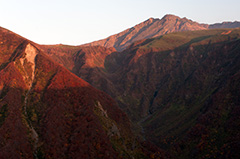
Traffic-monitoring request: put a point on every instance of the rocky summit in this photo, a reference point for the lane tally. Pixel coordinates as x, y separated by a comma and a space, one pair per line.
154, 27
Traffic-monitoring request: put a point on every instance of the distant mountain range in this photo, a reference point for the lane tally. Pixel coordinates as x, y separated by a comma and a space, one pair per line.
155, 27
168, 88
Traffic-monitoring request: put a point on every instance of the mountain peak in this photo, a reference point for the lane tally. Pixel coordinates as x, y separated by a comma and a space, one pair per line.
154, 27
151, 19
170, 16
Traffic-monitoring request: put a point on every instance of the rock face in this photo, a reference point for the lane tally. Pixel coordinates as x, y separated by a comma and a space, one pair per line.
48, 112
155, 27
29, 60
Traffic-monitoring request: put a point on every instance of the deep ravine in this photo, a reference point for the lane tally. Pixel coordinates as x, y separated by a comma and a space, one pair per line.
31, 53
34, 134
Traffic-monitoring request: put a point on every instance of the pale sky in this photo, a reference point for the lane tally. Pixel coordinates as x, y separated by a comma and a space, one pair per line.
76, 22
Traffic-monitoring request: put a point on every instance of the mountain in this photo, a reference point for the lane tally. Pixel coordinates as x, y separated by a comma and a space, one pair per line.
72, 56
181, 90
155, 27
235, 24
90, 62
148, 29
87, 62
48, 112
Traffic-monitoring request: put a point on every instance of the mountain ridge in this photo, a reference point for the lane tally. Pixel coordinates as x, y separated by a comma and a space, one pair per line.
154, 27
192, 71
173, 87
48, 112
181, 90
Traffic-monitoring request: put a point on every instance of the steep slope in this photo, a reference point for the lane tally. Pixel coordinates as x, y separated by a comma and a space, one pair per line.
148, 29
48, 112
78, 56
86, 62
183, 89
155, 27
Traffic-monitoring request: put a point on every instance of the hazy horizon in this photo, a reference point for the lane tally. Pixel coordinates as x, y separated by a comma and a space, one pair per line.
77, 22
